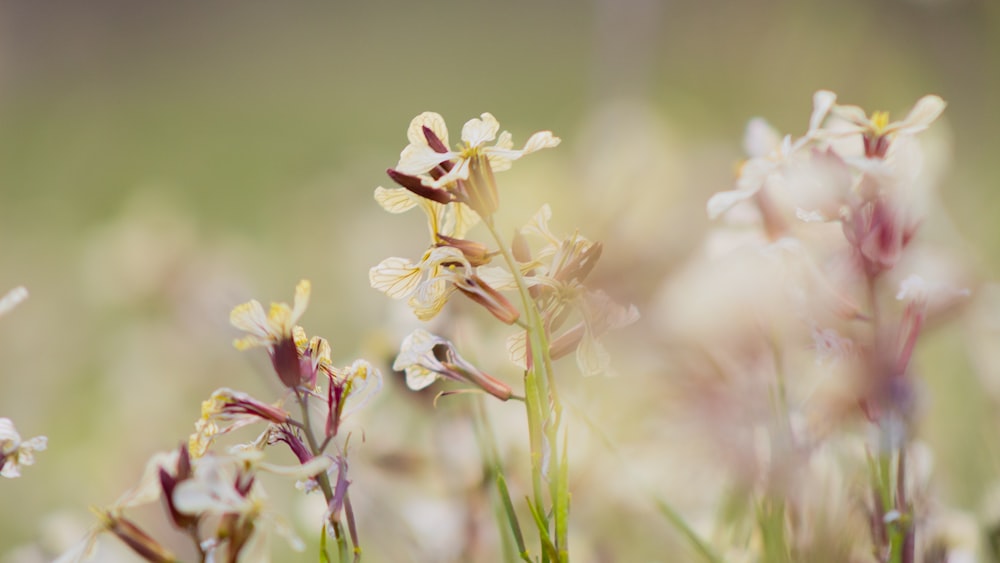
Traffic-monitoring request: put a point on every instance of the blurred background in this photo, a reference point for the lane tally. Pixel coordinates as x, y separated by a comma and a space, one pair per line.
161, 162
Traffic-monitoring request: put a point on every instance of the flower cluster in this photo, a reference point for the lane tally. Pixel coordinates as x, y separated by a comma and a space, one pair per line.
848, 287
215, 498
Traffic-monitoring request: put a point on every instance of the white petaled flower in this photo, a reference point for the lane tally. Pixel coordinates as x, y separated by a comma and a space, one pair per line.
266, 329
416, 358
14, 452
768, 155
12, 299
419, 158
924, 112
427, 283
225, 487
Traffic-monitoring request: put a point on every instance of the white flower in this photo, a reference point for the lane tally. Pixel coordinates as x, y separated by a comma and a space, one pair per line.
425, 283
768, 155
419, 158
13, 452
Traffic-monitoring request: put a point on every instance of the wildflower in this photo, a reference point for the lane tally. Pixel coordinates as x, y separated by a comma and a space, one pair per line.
351, 387
425, 283
877, 132
274, 331
768, 155
419, 157
12, 298
233, 407
426, 357
225, 487
469, 169
13, 452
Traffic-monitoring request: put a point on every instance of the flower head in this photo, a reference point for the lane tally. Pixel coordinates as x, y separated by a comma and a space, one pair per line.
426, 358
876, 131
466, 173
14, 452
275, 331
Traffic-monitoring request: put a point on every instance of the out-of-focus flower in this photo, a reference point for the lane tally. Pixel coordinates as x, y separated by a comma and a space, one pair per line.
12, 298
555, 278
877, 132
225, 487
426, 358
110, 518
768, 155
14, 452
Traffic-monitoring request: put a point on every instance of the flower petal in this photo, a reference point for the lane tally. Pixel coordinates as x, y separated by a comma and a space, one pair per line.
477, 132
926, 110
395, 200
431, 120
396, 277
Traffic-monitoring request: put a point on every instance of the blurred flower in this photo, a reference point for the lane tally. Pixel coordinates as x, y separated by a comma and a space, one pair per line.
768, 155
12, 298
426, 357
877, 132
425, 283
13, 452
225, 487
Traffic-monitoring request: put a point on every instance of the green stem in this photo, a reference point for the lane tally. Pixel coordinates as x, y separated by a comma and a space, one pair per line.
541, 399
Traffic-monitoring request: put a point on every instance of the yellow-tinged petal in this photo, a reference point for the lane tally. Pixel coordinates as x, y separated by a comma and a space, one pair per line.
431, 120
396, 200
302, 291
250, 317
396, 277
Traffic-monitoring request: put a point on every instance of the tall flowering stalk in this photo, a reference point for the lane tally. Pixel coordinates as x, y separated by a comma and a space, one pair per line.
456, 188
862, 172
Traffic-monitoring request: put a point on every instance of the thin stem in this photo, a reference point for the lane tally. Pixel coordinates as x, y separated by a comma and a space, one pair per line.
322, 478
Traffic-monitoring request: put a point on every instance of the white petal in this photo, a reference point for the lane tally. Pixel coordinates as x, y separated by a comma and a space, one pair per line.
302, 291
823, 101
306, 470
926, 110
395, 200
431, 120
591, 357
415, 160
851, 114
250, 317
760, 138
396, 277
724, 201
477, 132
517, 349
